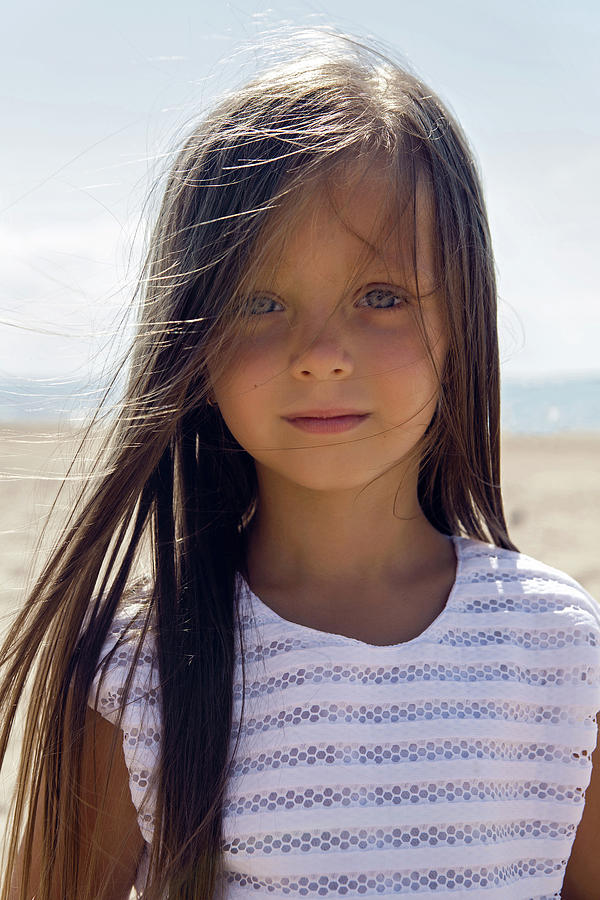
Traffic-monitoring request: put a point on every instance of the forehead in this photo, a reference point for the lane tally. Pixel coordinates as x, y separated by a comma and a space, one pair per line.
359, 219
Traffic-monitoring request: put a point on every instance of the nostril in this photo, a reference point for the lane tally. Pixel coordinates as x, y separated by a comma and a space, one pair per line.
321, 366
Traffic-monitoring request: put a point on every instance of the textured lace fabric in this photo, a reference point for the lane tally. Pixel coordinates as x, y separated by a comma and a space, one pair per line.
454, 764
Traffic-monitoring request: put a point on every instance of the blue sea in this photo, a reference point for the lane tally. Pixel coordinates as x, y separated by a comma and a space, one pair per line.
529, 406
547, 406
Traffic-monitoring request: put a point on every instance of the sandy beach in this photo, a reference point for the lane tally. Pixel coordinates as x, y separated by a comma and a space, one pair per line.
551, 487
551, 492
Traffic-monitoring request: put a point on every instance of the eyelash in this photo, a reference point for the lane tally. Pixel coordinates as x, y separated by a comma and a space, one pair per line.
379, 291
390, 293
261, 298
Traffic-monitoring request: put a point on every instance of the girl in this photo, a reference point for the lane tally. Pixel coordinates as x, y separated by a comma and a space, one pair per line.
339, 677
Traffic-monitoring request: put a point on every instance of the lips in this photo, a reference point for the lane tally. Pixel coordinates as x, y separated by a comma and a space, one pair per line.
325, 413
326, 421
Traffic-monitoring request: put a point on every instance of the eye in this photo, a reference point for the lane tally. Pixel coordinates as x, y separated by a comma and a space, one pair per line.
262, 304
382, 298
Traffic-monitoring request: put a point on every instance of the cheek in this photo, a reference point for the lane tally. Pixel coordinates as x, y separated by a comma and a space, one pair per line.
400, 350
254, 364
422, 341
403, 368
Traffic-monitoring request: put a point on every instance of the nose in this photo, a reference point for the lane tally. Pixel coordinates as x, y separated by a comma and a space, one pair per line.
323, 358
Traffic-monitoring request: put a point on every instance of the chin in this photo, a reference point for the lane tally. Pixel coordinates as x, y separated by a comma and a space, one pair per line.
323, 478
329, 485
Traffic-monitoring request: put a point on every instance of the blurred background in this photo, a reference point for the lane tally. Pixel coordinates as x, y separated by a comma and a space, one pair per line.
95, 98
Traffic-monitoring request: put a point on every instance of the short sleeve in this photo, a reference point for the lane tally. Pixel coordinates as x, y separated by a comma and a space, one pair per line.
141, 720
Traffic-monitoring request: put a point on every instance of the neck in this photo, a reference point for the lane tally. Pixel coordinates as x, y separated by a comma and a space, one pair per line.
302, 538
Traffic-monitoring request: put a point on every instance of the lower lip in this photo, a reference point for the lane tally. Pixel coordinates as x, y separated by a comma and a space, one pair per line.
332, 425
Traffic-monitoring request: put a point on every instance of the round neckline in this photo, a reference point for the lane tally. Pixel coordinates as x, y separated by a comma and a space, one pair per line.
458, 543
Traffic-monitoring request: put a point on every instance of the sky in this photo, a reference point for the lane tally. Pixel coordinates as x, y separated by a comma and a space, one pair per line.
96, 96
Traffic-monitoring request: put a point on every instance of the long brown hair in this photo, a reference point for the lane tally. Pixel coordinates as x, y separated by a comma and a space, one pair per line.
171, 471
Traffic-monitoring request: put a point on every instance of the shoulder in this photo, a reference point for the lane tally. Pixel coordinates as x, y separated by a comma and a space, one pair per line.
519, 583
127, 670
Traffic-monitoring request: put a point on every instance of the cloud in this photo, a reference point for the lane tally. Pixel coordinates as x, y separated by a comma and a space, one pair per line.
63, 293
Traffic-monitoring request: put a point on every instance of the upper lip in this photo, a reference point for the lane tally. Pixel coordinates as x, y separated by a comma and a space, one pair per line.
324, 413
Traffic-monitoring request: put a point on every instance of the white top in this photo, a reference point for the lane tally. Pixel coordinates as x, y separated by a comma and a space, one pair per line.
453, 764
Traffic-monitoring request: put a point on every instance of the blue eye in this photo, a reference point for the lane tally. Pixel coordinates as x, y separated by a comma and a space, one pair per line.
382, 298
261, 304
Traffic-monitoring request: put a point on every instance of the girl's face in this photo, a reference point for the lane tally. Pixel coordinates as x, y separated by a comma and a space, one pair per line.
331, 384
